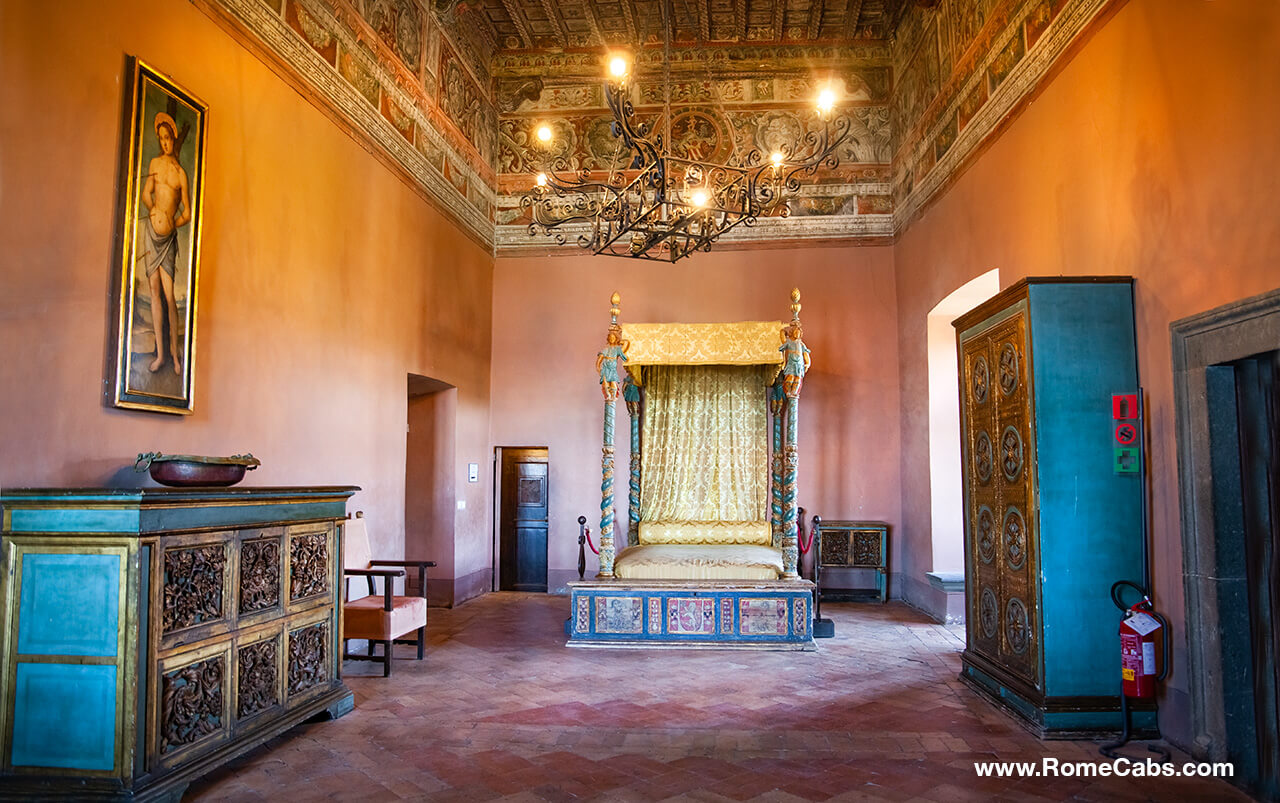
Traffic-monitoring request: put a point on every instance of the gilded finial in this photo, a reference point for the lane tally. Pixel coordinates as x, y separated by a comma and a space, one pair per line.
615, 310
795, 304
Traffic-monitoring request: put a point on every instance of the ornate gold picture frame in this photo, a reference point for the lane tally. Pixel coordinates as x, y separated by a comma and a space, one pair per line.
162, 185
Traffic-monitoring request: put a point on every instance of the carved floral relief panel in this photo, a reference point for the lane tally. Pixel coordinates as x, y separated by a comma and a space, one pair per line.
191, 703
193, 586
257, 688
308, 657
308, 565
259, 575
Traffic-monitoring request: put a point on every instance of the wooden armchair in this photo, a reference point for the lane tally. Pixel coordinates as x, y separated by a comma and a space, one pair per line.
380, 619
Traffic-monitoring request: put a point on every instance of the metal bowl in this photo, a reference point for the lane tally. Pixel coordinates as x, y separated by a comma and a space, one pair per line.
185, 470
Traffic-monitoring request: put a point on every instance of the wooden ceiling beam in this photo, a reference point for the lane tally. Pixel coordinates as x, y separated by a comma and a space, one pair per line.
779, 12
589, 10
518, 20
852, 18
815, 19
739, 19
557, 20
629, 11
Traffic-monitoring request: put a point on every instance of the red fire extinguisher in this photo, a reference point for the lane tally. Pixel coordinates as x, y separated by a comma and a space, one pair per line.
1138, 631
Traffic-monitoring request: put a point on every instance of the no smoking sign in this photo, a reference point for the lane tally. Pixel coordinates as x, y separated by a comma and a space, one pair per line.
1127, 434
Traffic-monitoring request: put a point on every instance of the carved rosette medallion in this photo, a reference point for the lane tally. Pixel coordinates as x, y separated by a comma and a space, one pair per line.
1016, 629
307, 657
986, 534
988, 613
259, 575
866, 549
1011, 453
1008, 369
191, 703
257, 678
193, 586
981, 380
983, 458
835, 549
309, 566
1015, 538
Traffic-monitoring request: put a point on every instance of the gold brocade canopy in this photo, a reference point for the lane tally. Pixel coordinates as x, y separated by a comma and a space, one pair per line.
741, 343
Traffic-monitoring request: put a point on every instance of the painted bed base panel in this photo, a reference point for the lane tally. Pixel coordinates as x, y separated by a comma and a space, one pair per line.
692, 614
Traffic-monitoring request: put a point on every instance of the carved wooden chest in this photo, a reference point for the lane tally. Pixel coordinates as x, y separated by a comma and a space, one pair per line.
150, 635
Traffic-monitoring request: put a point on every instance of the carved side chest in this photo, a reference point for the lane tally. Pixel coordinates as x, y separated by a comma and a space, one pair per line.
150, 635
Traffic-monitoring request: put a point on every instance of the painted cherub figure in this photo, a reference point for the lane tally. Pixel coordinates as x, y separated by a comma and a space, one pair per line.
796, 358
606, 362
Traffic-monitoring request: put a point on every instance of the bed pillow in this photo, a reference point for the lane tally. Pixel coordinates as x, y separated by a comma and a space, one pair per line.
706, 532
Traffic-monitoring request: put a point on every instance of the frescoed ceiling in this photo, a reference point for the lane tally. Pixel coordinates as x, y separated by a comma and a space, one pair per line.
570, 24
448, 92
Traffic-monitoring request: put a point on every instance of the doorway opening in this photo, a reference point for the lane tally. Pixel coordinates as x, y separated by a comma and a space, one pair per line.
521, 558
1244, 405
1227, 400
946, 495
430, 487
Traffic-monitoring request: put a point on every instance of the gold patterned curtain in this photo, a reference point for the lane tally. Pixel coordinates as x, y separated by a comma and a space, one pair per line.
706, 443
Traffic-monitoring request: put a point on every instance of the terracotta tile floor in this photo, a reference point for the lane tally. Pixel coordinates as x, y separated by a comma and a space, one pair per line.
501, 710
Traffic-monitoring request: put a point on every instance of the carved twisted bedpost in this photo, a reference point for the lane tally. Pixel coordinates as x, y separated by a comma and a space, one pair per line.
631, 395
607, 365
606, 491
777, 406
796, 362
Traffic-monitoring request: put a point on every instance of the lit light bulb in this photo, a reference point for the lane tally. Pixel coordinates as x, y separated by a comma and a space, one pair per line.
618, 67
776, 158
544, 133
541, 179
699, 198
826, 100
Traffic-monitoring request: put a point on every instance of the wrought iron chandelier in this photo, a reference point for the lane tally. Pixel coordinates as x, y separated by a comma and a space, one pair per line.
663, 206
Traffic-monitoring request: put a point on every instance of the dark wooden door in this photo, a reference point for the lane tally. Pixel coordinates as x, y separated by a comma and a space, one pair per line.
523, 531
1258, 407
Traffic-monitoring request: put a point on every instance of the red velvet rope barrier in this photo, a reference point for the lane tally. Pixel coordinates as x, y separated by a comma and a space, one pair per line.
587, 531
805, 545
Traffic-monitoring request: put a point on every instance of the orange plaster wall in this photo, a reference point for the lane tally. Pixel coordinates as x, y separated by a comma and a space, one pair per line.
324, 280
550, 317
1152, 153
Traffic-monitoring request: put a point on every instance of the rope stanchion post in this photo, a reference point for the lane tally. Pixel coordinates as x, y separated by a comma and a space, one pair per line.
822, 628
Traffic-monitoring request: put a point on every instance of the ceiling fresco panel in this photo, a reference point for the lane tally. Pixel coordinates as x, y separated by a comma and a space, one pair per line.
451, 90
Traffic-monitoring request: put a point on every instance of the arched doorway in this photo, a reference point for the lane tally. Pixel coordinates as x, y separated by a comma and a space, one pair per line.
945, 489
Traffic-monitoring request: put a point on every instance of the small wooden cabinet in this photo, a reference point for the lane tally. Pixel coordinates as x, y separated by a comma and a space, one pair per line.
151, 635
853, 545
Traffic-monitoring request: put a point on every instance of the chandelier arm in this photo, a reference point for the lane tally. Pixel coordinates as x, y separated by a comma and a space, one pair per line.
634, 135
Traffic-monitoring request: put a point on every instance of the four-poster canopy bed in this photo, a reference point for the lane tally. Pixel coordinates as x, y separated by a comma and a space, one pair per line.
710, 552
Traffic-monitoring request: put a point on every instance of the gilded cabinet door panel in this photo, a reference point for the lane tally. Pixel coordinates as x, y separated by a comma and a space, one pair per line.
1014, 517
979, 453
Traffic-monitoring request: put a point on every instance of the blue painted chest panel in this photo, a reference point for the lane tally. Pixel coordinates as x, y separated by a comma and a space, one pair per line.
70, 604
85, 736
